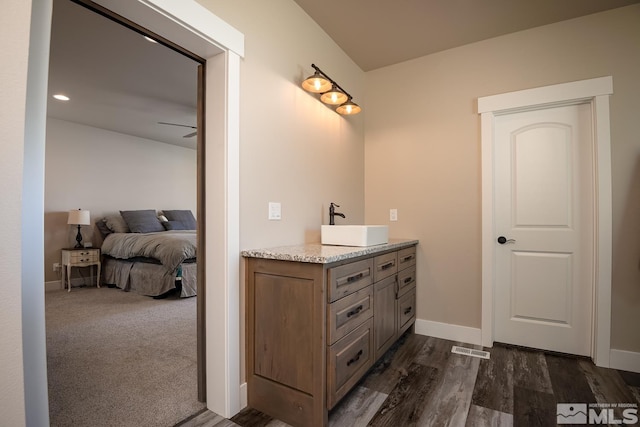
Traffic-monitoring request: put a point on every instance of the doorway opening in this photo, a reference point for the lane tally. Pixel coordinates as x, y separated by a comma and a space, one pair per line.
111, 144
199, 31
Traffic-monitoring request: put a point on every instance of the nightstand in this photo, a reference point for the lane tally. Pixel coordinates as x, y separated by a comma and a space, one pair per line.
79, 257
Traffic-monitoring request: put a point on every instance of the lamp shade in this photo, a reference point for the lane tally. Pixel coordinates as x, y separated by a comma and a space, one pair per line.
316, 83
79, 217
348, 108
334, 97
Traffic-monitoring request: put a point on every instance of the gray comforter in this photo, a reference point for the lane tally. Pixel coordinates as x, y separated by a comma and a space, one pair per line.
171, 248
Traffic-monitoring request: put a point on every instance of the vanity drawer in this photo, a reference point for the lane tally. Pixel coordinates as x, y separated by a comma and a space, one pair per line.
406, 311
348, 278
348, 313
348, 359
406, 258
385, 266
406, 279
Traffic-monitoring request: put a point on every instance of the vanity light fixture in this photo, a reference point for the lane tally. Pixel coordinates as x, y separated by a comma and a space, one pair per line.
332, 93
61, 97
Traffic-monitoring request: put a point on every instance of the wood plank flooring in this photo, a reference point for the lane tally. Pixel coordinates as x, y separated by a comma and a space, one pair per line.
419, 382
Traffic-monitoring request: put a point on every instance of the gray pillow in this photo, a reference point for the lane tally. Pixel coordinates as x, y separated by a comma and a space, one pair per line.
184, 216
142, 221
116, 224
102, 226
174, 225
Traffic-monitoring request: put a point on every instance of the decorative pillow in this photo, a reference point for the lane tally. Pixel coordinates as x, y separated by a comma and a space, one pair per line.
104, 230
174, 225
116, 224
184, 216
142, 221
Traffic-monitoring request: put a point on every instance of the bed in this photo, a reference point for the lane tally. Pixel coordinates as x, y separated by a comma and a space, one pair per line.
153, 258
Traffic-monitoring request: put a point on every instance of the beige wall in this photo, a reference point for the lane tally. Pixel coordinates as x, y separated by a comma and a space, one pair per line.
106, 172
423, 157
293, 149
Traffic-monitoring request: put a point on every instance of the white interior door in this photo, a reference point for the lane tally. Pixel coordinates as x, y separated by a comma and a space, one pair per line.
544, 213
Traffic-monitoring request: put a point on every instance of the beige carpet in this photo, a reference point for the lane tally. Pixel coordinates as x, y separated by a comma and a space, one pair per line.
120, 359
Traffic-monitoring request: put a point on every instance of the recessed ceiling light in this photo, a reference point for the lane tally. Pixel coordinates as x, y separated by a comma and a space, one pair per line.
61, 97
149, 39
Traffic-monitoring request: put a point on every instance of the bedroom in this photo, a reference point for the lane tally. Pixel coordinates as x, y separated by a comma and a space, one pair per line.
86, 139
110, 154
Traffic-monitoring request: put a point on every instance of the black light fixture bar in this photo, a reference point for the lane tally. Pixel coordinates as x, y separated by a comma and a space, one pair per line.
330, 79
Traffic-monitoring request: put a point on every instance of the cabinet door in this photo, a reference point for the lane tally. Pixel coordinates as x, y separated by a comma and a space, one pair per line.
384, 314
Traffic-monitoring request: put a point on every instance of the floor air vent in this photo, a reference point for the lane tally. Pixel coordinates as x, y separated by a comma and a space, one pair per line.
470, 352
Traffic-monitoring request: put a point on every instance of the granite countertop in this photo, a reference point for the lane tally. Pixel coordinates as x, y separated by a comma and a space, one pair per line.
324, 254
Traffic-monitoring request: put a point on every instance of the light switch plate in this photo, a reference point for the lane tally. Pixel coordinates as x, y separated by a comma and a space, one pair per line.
393, 214
275, 211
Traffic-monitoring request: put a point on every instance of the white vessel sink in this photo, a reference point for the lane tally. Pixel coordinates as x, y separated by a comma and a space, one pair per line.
354, 235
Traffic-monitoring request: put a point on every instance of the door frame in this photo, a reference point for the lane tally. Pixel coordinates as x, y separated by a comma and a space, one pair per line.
195, 28
595, 92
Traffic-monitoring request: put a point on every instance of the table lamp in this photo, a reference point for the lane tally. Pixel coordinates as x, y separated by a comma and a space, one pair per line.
78, 217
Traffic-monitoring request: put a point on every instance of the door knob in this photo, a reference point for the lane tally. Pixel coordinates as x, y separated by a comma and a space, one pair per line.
502, 240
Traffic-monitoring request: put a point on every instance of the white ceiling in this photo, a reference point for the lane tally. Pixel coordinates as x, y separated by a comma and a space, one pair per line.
377, 33
119, 81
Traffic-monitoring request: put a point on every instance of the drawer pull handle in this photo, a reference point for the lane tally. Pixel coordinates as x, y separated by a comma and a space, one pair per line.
355, 277
407, 258
387, 265
408, 279
408, 310
355, 311
354, 359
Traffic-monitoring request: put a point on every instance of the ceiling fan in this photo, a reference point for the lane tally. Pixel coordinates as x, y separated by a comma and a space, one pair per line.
189, 135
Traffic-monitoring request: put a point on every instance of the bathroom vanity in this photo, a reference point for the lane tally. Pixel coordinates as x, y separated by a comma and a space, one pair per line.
318, 317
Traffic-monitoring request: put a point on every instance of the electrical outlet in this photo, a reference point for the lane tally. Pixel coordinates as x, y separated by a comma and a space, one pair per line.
56, 266
393, 214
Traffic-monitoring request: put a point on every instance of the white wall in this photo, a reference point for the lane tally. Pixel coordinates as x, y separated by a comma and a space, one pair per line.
431, 148
106, 172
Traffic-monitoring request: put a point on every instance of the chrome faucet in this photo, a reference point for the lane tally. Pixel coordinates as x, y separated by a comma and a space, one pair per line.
333, 213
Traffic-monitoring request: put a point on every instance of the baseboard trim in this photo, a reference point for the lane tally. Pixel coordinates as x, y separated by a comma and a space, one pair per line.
54, 285
448, 331
624, 360
243, 395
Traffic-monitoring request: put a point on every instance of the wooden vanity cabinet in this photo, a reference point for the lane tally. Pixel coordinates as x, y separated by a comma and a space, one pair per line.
313, 330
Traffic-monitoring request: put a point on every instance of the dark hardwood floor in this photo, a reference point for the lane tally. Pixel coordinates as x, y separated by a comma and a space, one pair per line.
419, 382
